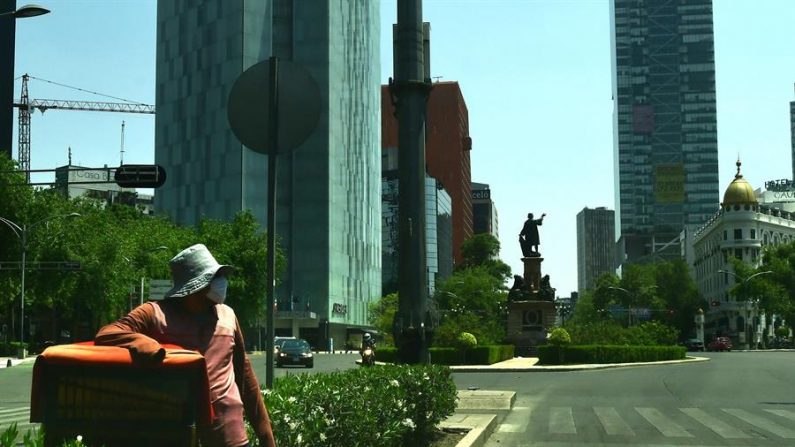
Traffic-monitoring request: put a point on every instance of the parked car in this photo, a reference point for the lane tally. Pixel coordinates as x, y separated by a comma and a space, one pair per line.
295, 352
694, 344
720, 344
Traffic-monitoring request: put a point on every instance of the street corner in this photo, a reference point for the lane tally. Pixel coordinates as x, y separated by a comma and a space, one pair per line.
478, 426
493, 400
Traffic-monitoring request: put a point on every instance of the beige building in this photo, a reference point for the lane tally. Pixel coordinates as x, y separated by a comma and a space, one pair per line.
742, 227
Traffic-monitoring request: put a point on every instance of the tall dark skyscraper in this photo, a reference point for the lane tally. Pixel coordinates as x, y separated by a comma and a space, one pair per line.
665, 126
792, 134
328, 220
595, 248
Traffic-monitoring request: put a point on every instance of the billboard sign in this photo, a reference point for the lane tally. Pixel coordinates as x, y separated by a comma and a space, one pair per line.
669, 183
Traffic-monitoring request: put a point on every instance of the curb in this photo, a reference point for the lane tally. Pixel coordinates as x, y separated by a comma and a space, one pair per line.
4, 361
480, 427
569, 368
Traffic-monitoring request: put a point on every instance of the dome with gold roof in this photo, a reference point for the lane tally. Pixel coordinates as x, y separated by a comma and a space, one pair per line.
739, 192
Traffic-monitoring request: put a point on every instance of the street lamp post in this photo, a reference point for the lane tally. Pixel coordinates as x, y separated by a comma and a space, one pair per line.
8, 15
22, 233
749, 303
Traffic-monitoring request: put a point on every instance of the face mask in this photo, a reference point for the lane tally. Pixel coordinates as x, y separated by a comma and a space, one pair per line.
217, 292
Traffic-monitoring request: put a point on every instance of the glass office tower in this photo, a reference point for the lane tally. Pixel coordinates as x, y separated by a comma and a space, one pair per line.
438, 232
328, 193
665, 127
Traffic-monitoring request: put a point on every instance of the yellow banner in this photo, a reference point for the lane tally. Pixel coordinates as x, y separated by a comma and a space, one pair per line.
669, 183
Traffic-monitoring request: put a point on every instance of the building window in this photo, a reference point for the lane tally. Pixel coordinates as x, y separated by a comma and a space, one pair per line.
725, 235
738, 233
738, 253
753, 233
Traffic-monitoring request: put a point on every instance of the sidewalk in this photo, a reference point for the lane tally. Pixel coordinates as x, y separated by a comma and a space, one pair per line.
15, 361
529, 364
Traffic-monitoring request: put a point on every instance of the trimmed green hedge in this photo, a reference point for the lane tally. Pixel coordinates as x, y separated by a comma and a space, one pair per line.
10, 348
567, 355
481, 355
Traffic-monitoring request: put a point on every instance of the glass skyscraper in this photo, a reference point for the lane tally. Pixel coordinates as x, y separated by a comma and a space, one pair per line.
438, 232
328, 193
665, 126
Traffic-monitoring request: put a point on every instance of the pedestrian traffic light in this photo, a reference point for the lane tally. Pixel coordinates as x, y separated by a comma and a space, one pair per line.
140, 176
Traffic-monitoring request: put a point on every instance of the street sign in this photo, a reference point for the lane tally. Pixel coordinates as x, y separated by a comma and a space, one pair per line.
158, 288
140, 176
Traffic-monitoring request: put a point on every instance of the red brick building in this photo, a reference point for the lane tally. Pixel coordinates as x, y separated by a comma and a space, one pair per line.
447, 146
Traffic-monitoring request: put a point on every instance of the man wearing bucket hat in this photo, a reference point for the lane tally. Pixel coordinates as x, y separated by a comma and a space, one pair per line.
193, 316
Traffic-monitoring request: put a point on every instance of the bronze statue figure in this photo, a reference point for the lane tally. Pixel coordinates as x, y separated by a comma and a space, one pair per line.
546, 292
518, 291
528, 238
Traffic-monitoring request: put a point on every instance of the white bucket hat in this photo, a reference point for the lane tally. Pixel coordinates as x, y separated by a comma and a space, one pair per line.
192, 269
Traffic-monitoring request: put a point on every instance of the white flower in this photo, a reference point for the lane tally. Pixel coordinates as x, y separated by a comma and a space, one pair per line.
298, 439
322, 437
408, 423
79, 438
292, 399
293, 426
394, 382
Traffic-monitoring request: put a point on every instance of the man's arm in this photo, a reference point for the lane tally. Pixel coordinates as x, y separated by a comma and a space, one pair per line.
250, 393
128, 332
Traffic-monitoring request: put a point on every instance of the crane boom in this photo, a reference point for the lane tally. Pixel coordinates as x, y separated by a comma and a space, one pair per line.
27, 105
43, 105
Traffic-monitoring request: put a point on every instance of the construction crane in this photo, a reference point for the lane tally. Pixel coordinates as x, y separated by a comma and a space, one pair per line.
27, 105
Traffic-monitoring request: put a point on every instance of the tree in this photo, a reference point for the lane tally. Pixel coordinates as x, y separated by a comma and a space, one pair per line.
776, 291
481, 250
382, 314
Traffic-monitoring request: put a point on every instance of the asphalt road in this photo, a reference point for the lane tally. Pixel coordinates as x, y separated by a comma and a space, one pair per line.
736, 399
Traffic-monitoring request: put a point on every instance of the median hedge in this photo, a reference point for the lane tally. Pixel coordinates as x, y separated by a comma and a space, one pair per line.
480, 355
567, 355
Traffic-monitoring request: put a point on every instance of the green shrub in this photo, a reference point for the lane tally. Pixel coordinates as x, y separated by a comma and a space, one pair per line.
466, 340
782, 331
380, 406
559, 337
651, 333
481, 355
10, 348
579, 354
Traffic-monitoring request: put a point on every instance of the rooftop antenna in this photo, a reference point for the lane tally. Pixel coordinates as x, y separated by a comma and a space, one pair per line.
121, 162
436, 78
70, 156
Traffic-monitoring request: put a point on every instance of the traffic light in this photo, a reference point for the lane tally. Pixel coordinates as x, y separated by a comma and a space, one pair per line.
140, 176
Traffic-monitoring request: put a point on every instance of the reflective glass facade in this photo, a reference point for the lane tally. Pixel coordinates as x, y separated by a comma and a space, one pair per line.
438, 232
665, 126
328, 194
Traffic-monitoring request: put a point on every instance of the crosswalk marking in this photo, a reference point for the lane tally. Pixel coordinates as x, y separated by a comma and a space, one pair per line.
12, 410
612, 422
783, 413
663, 424
561, 421
721, 428
760, 422
516, 421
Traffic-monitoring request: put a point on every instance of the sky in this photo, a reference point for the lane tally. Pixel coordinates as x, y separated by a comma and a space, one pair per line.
535, 75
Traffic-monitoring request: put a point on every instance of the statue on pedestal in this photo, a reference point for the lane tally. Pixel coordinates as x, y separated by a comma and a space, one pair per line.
518, 291
528, 238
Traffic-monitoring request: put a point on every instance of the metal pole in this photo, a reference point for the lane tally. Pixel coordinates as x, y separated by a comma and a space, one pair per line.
22, 293
273, 135
141, 300
411, 90
7, 38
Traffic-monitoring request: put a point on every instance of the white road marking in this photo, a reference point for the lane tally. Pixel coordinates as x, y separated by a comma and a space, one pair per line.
664, 424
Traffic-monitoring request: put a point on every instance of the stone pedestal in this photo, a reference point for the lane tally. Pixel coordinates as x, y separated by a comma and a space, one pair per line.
532, 273
528, 324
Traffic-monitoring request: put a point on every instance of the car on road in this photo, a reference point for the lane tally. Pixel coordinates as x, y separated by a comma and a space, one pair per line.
295, 352
693, 344
278, 342
720, 344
